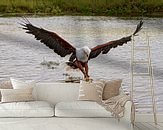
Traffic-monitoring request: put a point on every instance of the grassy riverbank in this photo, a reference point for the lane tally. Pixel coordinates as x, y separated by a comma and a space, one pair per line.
129, 8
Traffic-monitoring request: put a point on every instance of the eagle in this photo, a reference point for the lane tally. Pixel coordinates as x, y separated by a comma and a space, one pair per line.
79, 57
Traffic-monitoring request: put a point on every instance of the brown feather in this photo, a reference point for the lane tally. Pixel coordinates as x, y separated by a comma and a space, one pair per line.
105, 48
50, 39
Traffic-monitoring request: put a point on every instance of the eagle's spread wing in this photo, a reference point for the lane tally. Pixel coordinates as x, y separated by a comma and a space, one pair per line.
50, 39
104, 48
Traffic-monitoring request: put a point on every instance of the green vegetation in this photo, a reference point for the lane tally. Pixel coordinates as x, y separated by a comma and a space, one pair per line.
83, 7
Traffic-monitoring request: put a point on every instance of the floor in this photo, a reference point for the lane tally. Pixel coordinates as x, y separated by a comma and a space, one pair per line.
148, 126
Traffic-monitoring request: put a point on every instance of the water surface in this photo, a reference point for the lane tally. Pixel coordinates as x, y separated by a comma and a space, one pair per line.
21, 54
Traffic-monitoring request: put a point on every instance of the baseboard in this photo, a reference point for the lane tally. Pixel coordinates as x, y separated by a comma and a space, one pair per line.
148, 117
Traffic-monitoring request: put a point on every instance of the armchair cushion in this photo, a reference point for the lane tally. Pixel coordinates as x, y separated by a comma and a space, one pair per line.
26, 109
80, 109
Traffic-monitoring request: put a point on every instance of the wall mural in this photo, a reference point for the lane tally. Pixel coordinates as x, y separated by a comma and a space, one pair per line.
24, 58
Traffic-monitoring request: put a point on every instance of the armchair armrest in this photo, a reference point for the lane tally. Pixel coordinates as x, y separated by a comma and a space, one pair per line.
127, 118
127, 112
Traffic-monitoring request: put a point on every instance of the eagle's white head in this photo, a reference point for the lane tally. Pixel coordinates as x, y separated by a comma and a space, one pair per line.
82, 54
86, 50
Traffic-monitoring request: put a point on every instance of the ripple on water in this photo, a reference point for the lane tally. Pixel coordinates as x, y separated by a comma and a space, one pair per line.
21, 55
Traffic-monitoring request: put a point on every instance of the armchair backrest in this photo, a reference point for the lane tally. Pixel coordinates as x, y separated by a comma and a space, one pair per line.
57, 92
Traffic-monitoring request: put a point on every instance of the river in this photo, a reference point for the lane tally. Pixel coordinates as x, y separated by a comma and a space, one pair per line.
21, 55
